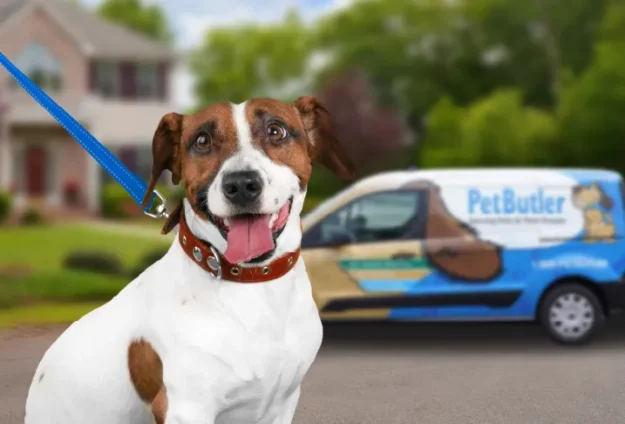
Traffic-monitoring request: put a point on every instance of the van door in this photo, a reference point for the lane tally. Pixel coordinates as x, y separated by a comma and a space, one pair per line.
365, 259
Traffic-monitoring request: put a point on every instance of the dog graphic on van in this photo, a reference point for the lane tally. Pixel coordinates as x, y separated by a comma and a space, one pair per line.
453, 247
595, 206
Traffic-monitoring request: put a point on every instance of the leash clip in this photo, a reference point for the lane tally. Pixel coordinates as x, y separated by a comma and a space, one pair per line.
161, 210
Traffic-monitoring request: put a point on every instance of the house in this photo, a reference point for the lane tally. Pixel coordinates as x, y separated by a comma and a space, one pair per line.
114, 81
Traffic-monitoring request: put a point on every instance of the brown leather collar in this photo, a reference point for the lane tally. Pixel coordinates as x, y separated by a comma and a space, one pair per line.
207, 257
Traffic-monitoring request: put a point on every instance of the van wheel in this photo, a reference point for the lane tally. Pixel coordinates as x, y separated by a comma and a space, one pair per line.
571, 314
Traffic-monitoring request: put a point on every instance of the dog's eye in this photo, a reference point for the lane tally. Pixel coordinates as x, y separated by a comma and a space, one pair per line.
276, 132
203, 142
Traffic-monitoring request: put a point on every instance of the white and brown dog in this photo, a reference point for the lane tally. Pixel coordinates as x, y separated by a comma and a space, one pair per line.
224, 327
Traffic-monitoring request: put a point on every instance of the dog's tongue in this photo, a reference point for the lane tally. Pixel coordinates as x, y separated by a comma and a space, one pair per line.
248, 238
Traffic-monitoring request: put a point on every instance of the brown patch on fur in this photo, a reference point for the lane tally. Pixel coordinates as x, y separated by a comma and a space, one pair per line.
323, 144
146, 374
159, 406
172, 149
199, 170
260, 113
165, 152
452, 246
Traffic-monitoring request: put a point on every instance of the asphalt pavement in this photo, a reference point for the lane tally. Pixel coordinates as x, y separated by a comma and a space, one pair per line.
416, 373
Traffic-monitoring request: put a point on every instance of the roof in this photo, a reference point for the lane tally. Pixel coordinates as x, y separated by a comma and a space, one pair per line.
393, 180
99, 38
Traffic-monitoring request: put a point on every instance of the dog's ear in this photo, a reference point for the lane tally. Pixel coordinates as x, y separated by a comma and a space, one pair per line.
173, 219
577, 189
606, 201
454, 248
165, 152
324, 145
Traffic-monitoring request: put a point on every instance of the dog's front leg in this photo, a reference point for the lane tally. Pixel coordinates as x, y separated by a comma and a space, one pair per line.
182, 409
190, 397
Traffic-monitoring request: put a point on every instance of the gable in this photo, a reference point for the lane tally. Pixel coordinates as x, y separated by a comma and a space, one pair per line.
36, 30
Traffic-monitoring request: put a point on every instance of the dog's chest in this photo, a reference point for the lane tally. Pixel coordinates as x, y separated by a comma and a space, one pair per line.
259, 341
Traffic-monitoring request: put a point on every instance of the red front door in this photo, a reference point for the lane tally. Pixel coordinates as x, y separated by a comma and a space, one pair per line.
35, 171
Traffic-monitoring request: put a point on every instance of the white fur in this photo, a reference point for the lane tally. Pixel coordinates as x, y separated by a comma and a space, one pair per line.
232, 353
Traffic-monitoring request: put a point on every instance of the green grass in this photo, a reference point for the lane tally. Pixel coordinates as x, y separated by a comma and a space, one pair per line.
59, 286
44, 247
53, 313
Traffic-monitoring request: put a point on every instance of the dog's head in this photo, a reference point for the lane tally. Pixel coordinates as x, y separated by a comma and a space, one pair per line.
588, 196
245, 169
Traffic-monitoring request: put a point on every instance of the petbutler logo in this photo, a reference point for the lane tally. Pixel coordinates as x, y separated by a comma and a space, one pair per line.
508, 206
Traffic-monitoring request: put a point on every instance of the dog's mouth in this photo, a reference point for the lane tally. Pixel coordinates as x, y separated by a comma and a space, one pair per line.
251, 237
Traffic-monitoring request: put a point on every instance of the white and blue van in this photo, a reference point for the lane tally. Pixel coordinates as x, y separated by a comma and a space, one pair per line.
477, 244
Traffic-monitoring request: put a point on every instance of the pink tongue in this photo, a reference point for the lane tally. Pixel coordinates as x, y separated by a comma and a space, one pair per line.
248, 238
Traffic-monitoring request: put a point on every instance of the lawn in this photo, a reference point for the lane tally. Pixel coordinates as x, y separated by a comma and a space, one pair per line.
47, 313
39, 251
44, 247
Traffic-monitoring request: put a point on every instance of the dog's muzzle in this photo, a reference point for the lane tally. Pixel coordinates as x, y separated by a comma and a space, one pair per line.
242, 188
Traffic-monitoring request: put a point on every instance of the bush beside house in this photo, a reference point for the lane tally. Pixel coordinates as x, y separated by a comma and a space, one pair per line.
5, 206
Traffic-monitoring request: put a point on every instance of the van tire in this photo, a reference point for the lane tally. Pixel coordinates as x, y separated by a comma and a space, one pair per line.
571, 314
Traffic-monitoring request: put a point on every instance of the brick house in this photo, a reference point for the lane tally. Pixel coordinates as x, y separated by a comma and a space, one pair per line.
114, 81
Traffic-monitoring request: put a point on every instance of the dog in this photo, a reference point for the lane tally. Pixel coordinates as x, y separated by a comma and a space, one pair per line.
223, 328
453, 247
595, 205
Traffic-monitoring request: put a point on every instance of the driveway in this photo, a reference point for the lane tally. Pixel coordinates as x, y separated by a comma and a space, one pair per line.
426, 374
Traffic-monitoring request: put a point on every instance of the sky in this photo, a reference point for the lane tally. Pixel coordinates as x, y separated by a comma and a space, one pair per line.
190, 19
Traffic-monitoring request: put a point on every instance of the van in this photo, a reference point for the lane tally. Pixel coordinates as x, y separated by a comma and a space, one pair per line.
473, 245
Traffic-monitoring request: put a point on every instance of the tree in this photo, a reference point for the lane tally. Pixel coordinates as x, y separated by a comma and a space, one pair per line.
365, 129
417, 52
149, 20
237, 63
497, 130
590, 114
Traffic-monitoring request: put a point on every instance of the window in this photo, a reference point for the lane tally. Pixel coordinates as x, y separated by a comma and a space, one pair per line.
107, 79
378, 217
40, 66
147, 81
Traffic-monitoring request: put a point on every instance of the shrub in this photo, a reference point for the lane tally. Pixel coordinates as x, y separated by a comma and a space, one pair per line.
5, 206
176, 196
59, 286
116, 203
31, 217
100, 262
311, 203
147, 260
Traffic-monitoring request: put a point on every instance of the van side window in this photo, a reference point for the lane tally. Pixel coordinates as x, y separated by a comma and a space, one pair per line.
377, 217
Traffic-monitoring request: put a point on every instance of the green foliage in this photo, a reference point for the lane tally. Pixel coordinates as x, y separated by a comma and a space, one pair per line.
116, 203
113, 201
590, 111
31, 217
147, 19
5, 206
311, 203
148, 260
101, 262
65, 286
240, 62
497, 130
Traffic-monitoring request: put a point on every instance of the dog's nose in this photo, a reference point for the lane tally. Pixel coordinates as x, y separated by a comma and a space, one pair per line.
242, 187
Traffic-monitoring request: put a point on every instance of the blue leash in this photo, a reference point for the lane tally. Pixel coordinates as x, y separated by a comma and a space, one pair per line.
134, 185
